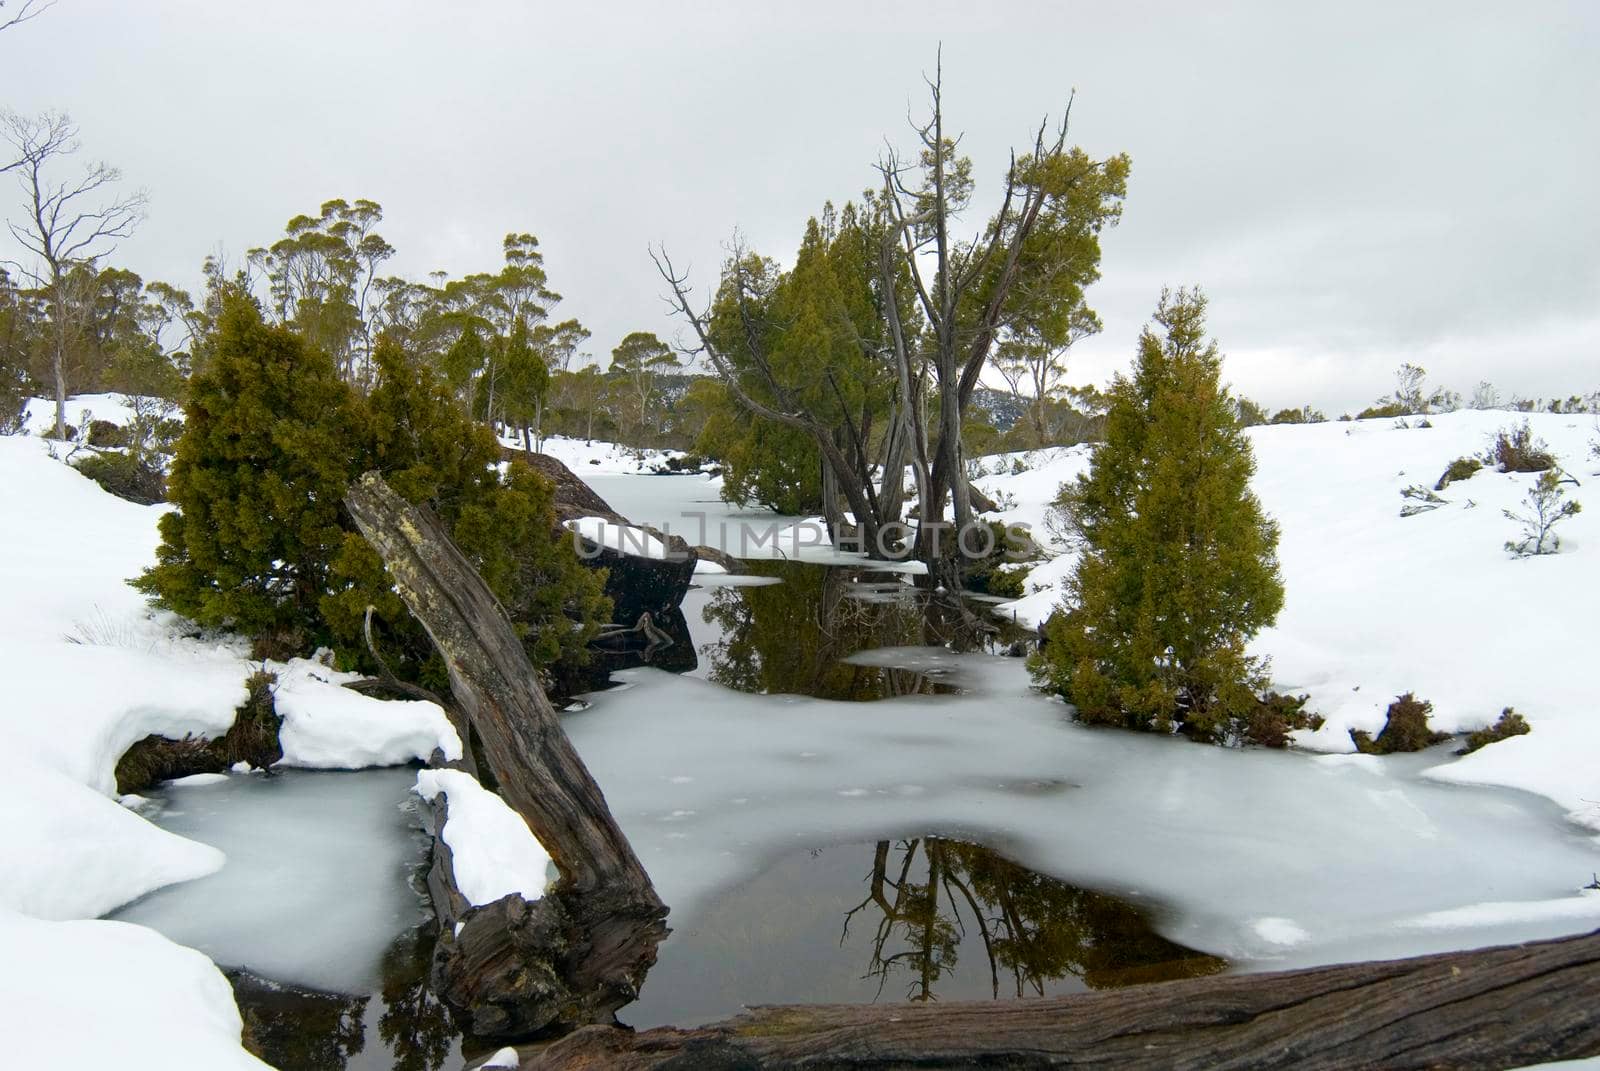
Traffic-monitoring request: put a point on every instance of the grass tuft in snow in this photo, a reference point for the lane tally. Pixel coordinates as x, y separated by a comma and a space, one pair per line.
1509, 724
1405, 729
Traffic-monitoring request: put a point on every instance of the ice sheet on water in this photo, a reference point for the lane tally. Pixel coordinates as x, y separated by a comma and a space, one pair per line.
314, 888
733, 580
1244, 848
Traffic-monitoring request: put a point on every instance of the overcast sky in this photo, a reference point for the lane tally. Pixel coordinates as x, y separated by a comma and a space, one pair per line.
1353, 184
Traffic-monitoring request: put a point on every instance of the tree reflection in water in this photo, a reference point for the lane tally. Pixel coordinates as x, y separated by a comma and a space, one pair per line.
790, 637
926, 892
298, 1029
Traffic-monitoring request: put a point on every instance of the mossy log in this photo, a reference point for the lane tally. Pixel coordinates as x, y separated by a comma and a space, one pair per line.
1488, 1009
581, 951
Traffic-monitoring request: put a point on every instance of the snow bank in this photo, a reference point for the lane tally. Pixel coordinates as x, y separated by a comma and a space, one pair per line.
77, 854
327, 726
1378, 604
108, 994
492, 850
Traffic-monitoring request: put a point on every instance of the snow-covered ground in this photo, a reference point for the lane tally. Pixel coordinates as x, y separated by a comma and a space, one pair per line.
1269, 858
89, 669
39, 416
1378, 604
587, 457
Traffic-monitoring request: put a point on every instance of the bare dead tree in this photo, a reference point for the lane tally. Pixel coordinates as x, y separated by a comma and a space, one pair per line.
962, 293
69, 222
29, 9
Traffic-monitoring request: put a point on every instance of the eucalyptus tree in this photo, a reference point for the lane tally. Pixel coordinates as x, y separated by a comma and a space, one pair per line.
322, 276
638, 359
69, 223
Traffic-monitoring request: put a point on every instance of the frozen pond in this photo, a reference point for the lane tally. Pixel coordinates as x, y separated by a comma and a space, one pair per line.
1265, 858
318, 878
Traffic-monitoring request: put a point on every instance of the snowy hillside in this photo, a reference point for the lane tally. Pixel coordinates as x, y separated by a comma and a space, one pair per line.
1378, 604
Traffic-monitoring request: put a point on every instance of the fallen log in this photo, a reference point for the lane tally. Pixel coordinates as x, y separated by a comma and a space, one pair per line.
1487, 1009
581, 951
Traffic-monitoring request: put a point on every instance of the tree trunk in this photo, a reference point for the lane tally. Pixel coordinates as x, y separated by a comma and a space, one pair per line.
1487, 1009
582, 950
58, 353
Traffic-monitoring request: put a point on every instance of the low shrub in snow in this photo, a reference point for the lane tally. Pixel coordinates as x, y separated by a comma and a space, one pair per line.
1516, 450
1462, 468
1419, 500
1274, 718
1509, 724
1383, 411
1547, 506
125, 476
103, 433
1405, 729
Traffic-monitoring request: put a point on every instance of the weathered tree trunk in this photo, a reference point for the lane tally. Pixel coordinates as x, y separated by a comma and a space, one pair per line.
581, 951
1489, 1009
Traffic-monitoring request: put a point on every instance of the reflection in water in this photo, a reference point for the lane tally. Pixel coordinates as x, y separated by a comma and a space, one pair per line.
790, 637
296, 1029
919, 919
1035, 931
306, 1030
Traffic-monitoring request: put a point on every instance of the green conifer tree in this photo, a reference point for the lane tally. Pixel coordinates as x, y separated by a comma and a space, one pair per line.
269, 437
433, 455
525, 383
1179, 565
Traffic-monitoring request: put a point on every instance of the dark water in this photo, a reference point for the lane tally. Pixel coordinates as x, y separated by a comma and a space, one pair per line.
918, 918
401, 1025
793, 636
922, 918
913, 919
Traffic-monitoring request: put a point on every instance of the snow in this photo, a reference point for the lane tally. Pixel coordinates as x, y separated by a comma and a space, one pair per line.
506, 1057
1271, 859
90, 669
326, 726
1583, 908
109, 994
1378, 604
587, 457
39, 415
79, 854
492, 851
622, 538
